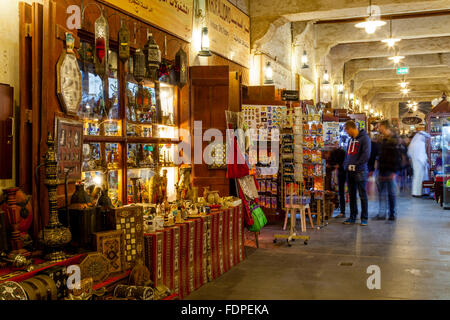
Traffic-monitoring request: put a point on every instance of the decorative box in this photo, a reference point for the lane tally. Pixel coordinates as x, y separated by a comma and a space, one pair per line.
59, 276
112, 245
95, 266
136, 292
11, 290
154, 256
130, 220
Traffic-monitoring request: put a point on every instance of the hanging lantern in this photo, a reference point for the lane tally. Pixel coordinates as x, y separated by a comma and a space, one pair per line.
139, 65
124, 42
181, 67
101, 45
152, 57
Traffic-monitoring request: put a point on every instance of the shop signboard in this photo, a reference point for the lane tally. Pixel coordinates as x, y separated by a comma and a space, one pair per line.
173, 16
229, 31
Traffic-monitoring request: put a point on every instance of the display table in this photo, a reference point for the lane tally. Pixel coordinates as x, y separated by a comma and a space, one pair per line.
191, 254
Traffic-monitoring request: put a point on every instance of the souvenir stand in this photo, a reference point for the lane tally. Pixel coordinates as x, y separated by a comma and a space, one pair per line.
108, 194
263, 115
436, 121
291, 172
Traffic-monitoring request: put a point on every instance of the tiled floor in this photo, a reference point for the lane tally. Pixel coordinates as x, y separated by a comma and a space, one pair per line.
413, 255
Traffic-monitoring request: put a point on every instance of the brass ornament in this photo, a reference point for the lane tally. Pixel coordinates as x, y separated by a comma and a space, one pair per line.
54, 236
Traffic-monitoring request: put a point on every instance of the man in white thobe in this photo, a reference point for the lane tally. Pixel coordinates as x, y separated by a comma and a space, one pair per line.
418, 154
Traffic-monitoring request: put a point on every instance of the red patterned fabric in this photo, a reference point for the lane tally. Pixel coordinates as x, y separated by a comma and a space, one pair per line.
217, 245
237, 167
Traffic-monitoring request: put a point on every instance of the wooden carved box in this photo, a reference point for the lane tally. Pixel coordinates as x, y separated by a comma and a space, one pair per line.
130, 220
112, 245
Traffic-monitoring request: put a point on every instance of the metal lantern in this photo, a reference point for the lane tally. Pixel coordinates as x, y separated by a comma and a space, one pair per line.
139, 65
152, 57
181, 67
205, 52
101, 45
124, 43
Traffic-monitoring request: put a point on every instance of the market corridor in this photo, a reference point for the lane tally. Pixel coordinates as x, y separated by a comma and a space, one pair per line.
413, 255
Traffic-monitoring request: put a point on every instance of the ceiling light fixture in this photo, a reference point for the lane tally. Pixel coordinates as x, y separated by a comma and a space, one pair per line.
403, 84
405, 91
372, 22
391, 41
396, 59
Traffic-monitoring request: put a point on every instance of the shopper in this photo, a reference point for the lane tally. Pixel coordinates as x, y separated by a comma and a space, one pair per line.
418, 154
358, 153
337, 158
388, 164
405, 163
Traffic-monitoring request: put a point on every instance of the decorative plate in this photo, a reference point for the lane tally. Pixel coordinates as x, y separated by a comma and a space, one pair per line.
95, 266
11, 290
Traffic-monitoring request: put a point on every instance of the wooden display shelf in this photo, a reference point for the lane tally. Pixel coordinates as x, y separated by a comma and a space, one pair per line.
108, 139
152, 140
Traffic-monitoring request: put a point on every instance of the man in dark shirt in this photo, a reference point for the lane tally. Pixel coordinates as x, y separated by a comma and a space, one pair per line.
358, 154
337, 158
389, 162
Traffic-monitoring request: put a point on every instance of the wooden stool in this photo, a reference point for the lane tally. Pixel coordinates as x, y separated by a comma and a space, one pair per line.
292, 209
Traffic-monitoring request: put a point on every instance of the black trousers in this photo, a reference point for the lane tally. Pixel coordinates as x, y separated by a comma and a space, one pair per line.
342, 178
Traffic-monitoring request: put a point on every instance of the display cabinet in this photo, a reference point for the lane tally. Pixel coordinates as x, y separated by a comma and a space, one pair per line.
130, 140
435, 121
446, 164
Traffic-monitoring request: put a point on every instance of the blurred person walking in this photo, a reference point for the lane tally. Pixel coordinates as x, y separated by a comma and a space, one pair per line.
388, 164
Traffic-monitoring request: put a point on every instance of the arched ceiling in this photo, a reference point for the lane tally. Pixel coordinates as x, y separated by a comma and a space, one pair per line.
359, 59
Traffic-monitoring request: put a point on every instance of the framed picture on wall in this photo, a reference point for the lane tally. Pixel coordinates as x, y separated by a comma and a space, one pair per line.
69, 148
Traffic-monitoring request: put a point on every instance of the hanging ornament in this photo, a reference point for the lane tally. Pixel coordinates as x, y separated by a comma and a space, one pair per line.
181, 68
101, 45
152, 57
124, 42
139, 65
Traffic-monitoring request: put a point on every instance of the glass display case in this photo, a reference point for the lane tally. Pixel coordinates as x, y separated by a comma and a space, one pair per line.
101, 168
99, 107
128, 149
446, 164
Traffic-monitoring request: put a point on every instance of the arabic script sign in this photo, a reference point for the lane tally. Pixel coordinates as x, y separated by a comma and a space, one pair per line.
174, 16
229, 31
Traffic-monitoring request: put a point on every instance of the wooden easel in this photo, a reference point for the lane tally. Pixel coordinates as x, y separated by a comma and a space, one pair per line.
291, 208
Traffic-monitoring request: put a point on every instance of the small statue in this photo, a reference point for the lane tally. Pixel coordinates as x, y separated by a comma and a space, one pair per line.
164, 185
185, 183
155, 191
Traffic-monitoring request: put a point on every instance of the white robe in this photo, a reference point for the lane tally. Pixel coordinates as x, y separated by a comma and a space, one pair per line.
418, 154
